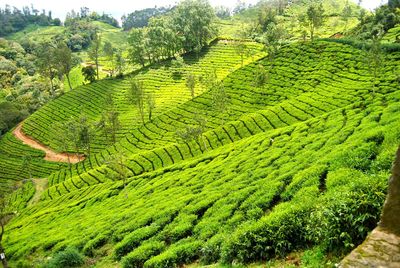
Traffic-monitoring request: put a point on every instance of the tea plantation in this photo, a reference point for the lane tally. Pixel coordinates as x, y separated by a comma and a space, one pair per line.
298, 162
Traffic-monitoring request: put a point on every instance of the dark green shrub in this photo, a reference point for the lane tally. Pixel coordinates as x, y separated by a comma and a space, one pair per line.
278, 233
70, 257
347, 214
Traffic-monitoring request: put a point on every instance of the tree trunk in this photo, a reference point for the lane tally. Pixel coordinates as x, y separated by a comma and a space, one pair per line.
52, 87
97, 67
4, 260
391, 210
69, 81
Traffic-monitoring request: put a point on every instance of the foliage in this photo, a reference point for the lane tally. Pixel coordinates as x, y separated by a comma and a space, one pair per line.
191, 83
16, 20
136, 96
94, 52
89, 73
140, 18
70, 257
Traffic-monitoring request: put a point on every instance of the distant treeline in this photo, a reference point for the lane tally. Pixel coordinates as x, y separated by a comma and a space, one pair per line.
140, 18
13, 20
86, 14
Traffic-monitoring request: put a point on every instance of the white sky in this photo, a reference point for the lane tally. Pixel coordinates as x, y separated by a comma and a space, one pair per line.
117, 8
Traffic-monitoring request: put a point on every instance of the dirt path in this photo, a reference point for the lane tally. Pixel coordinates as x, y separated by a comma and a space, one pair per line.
50, 154
40, 186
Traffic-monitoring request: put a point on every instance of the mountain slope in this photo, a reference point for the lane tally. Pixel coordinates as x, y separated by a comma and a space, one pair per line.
313, 144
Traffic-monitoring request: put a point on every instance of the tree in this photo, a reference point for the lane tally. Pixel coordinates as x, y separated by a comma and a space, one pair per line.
195, 131
314, 18
109, 123
86, 133
94, 51
136, 96
191, 83
273, 39
394, 4
261, 76
151, 104
137, 47
194, 21
374, 56
241, 49
220, 100
47, 63
64, 60
119, 63
346, 15
65, 139
5, 216
109, 52
89, 73
119, 170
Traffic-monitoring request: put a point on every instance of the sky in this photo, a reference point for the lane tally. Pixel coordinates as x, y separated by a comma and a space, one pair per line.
117, 8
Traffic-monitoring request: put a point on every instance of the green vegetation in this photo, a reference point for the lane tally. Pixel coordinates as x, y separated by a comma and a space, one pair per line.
228, 153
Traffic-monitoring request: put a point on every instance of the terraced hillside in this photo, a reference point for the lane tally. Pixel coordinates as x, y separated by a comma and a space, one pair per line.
314, 84
270, 175
168, 89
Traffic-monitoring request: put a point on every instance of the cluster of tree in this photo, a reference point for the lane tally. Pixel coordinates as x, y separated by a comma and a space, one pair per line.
187, 28
79, 133
29, 80
143, 100
140, 18
113, 55
13, 20
86, 15
384, 18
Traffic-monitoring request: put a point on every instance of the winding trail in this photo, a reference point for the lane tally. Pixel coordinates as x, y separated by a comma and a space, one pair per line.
50, 154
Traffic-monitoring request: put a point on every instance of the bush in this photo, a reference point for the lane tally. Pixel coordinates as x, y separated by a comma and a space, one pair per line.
346, 215
185, 251
70, 257
95, 243
134, 239
137, 258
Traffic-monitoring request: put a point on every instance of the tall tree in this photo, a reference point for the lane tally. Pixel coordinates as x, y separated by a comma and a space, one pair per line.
374, 56
5, 216
89, 73
191, 83
137, 48
64, 61
109, 123
194, 21
151, 104
346, 15
119, 63
136, 96
86, 133
313, 18
47, 63
109, 52
94, 51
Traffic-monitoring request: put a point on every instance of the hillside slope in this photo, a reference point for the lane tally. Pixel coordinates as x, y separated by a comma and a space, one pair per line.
270, 176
